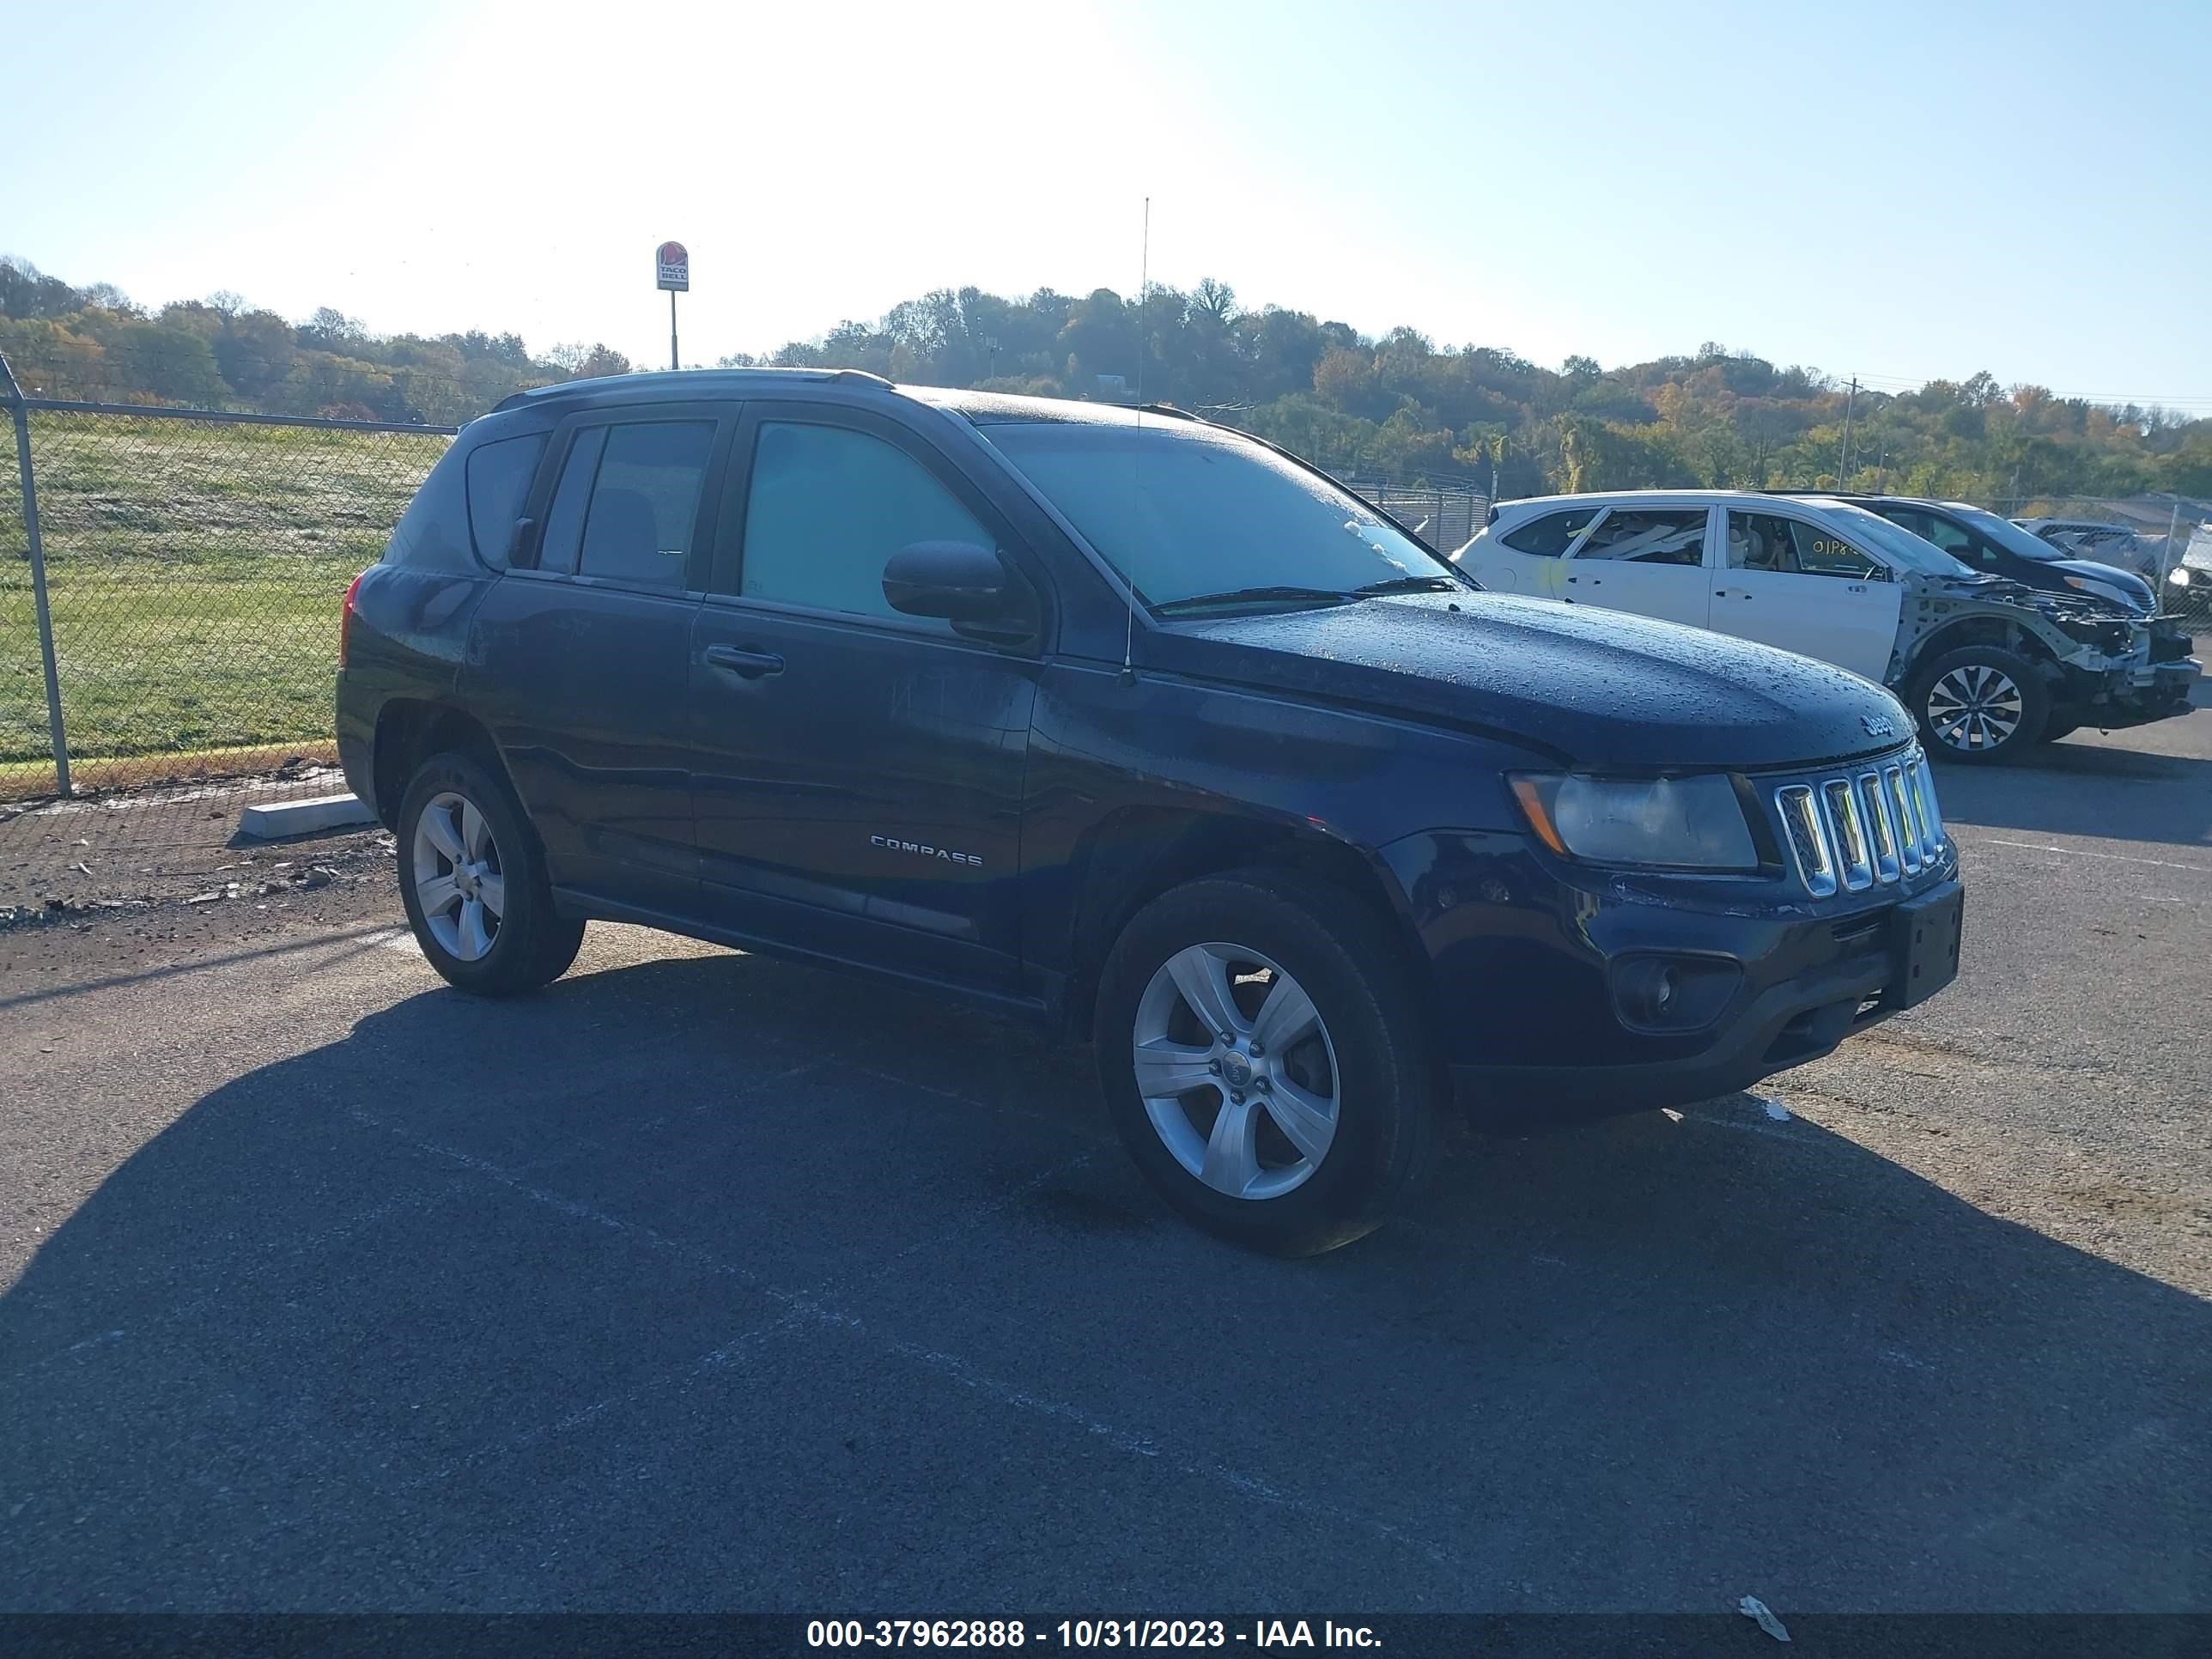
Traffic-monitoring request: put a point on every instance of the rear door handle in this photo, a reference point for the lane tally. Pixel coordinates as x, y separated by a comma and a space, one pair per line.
745, 665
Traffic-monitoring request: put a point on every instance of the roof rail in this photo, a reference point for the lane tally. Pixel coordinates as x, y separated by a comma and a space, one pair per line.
701, 381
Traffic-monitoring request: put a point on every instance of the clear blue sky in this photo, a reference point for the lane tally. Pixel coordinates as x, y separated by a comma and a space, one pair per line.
1894, 191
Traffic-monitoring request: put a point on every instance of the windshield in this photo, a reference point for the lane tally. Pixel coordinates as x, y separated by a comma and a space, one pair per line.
1897, 543
2006, 534
1190, 514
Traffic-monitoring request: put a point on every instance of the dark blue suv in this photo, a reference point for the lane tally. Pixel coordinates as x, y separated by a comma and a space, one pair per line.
1135, 724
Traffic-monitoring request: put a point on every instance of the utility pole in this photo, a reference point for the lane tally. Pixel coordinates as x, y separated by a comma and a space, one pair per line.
1844, 460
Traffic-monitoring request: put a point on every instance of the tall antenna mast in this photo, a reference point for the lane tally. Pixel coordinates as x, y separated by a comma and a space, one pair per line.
1144, 270
1137, 462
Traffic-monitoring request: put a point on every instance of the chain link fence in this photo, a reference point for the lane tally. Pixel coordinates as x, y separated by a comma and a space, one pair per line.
194, 565
1444, 516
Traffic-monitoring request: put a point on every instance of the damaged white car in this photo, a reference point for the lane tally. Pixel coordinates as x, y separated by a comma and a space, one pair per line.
1988, 667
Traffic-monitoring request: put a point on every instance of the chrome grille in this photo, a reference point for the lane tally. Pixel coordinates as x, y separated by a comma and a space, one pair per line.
1862, 829
1809, 838
1880, 831
1908, 831
1848, 833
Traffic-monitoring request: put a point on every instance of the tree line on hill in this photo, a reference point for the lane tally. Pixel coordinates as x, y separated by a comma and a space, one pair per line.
93, 344
1395, 406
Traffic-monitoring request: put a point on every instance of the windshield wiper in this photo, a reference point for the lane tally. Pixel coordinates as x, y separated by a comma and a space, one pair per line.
1238, 595
1410, 584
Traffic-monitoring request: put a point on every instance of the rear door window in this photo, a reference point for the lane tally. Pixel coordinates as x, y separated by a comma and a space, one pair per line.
1552, 534
564, 519
1649, 536
498, 477
645, 502
628, 503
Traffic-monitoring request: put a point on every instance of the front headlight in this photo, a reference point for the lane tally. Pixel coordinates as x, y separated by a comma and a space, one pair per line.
2075, 581
1681, 823
2179, 577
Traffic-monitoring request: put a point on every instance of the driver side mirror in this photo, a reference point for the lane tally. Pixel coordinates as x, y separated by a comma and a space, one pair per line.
964, 584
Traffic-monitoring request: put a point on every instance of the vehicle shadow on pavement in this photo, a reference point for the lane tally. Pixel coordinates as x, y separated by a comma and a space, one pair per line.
716, 1282
2085, 788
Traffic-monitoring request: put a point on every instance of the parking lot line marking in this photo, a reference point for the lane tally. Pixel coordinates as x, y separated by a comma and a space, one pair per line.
1771, 1131
804, 1307
702, 1107
349, 943
713, 1359
295, 1249
2084, 852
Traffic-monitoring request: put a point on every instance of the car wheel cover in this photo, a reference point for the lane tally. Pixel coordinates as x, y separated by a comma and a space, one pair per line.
459, 881
1974, 708
1237, 1072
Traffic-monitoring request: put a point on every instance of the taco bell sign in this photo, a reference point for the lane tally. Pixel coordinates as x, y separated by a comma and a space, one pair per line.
673, 266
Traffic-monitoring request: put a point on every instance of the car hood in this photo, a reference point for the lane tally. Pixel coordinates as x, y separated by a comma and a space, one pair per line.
1594, 688
2071, 605
2126, 580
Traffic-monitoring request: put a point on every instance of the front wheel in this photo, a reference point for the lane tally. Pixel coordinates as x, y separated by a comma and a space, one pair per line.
474, 884
1265, 1056
1980, 704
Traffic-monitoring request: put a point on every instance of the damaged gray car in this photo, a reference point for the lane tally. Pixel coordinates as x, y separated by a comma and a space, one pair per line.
1987, 667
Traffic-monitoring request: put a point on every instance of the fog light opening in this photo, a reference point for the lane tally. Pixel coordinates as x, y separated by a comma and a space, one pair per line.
1680, 994
1647, 990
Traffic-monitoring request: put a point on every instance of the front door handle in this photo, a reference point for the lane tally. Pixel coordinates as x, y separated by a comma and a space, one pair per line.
745, 665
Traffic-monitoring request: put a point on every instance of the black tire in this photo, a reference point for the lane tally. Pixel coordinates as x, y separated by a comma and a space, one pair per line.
2033, 706
531, 945
2054, 730
1375, 1034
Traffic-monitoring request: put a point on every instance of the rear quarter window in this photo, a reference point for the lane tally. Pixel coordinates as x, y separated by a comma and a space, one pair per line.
499, 476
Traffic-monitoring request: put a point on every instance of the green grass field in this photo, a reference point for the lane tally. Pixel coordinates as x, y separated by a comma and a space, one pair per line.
195, 573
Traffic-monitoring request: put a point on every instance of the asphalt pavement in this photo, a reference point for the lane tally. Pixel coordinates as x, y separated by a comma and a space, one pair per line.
703, 1281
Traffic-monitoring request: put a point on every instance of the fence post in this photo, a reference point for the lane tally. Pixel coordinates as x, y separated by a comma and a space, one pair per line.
39, 578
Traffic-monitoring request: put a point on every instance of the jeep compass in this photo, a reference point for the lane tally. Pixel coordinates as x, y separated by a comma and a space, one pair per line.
1135, 724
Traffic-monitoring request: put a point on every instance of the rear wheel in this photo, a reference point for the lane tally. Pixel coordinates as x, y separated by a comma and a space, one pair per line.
1981, 704
1264, 1054
474, 884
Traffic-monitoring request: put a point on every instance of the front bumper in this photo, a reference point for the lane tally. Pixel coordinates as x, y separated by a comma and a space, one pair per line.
2134, 695
1527, 956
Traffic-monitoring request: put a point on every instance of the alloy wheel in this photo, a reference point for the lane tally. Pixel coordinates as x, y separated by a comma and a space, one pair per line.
458, 879
1974, 707
1236, 1070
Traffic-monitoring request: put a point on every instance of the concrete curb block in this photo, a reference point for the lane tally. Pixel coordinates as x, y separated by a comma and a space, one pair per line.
277, 819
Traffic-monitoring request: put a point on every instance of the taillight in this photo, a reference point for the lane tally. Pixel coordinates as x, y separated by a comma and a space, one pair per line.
345, 619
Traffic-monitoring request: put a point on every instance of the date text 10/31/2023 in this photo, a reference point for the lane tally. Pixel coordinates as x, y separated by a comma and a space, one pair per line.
1085, 1633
